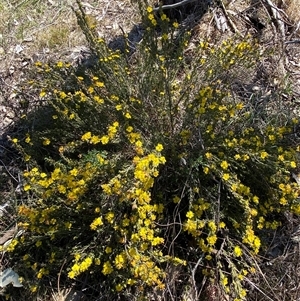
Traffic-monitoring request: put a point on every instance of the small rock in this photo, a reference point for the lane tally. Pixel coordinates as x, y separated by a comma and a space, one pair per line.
18, 49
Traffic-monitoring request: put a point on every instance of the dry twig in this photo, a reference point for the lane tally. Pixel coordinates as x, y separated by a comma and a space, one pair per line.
169, 6
232, 25
276, 16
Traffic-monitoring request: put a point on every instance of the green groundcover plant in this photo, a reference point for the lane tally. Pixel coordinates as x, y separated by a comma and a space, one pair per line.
150, 173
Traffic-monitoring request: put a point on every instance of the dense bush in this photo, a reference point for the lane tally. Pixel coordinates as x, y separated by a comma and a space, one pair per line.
148, 173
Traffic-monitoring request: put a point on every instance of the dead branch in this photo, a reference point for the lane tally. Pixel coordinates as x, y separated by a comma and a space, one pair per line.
232, 25
169, 6
292, 42
276, 16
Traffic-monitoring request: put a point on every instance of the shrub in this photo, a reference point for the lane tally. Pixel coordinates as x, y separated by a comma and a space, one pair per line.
150, 169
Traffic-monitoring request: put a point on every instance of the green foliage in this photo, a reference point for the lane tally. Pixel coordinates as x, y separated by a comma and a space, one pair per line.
154, 163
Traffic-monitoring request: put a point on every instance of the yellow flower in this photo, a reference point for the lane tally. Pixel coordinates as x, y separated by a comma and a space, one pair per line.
38, 243
256, 244
222, 225
176, 199
159, 147
243, 293
27, 140
293, 164
253, 212
62, 95
95, 140
212, 226
129, 129
252, 270
98, 99
62, 189
110, 217
99, 84
224, 164
25, 257
190, 226
149, 9
46, 141
108, 250
68, 225
208, 155
120, 261
96, 222
211, 240
264, 155
86, 264
107, 268
127, 115
190, 214
224, 281
42, 94
206, 170
72, 116
164, 36
246, 157
283, 201
225, 176
106, 188
71, 274
139, 143
74, 172
27, 187
33, 288
156, 241
104, 139
60, 64
42, 272
271, 137
162, 160
151, 17
87, 136
239, 106
237, 251
164, 17
130, 281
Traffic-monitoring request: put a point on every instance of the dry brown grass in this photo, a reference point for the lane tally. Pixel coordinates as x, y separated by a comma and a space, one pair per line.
26, 23
50, 26
291, 7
